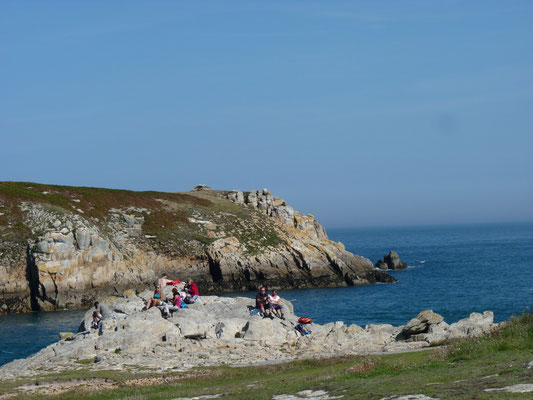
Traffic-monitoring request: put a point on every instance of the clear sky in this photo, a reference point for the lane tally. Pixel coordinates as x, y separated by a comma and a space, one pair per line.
359, 112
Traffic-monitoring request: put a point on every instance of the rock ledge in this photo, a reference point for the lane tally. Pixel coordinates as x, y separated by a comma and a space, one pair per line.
221, 330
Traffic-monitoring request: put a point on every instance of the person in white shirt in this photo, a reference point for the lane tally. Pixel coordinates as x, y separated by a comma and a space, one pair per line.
275, 304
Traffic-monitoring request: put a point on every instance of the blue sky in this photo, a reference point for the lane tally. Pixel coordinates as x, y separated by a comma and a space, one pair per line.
361, 113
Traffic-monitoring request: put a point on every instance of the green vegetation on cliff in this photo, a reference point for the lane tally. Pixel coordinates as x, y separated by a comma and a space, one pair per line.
167, 217
460, 370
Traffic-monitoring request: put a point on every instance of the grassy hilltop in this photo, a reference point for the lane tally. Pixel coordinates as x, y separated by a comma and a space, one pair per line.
167, 222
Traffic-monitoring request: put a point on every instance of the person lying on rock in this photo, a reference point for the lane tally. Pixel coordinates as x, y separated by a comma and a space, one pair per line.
262, 303
192, 289
275, 305
105, 313
156, 299
175, 303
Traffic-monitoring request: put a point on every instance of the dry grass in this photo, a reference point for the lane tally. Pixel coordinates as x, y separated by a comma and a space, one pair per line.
440, 353
364, 366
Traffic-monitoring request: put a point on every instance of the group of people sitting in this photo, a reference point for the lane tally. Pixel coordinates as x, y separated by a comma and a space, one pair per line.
188, 295
269, 304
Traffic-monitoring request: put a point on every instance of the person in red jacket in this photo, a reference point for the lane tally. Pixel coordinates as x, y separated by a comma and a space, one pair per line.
192, 289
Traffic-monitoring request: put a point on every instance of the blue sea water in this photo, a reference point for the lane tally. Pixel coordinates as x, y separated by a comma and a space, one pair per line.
453, 270
24, 334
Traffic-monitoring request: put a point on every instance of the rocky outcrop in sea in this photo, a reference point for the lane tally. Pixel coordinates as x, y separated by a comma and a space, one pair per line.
223, 330
62, 247
391, 261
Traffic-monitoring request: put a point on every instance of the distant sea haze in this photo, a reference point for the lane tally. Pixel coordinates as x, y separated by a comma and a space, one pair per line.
453, 270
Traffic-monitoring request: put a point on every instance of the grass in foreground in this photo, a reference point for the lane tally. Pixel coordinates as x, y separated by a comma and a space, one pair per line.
461, 370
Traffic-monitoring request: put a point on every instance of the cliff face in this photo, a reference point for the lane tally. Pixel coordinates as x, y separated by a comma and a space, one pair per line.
63, 247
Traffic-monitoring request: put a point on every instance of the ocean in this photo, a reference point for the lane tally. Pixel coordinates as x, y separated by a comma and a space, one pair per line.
453, 270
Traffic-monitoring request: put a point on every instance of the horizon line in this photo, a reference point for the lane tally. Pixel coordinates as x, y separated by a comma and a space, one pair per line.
426, 225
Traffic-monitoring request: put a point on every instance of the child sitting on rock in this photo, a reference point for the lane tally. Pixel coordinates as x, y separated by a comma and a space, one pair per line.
97, 322
102, 309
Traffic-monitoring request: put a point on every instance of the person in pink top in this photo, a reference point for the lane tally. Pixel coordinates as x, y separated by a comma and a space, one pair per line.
175, 303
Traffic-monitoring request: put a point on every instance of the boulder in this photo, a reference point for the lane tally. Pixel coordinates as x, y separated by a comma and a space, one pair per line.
421, 323
83, 238
196, 329
391, 261
65, 335
354, 330
230, 328
437, 333
258, 329
236, 196
475, 325
381, 333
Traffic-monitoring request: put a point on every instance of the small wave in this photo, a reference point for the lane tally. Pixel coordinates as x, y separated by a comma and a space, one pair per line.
422, 262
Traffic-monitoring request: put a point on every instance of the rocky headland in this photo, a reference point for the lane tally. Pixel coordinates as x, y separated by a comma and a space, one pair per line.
63, 247
222, 330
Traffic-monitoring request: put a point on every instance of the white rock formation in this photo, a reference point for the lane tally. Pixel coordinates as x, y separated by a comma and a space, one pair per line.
216, 330
278, 209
